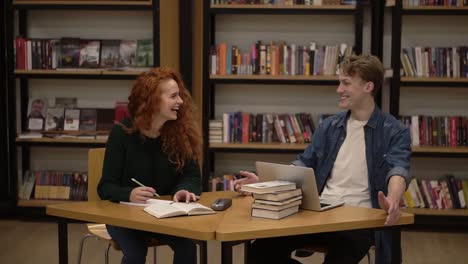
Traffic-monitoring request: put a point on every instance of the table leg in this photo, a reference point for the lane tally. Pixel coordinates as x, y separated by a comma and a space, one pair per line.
203, 251
226, 252
396, 245
63, 241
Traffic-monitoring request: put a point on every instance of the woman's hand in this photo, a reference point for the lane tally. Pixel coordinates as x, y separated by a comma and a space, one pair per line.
141, 194
184, 195
249, 177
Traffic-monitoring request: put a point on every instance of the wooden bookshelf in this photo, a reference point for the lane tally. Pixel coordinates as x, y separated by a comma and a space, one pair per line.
283, 7
258, 146
437, 212
61, 140
433, 79
84, 2
80, 72
437, 149
438, 8
275, 77
41, 203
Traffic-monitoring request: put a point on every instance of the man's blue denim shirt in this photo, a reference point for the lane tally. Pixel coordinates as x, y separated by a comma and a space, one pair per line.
388, 151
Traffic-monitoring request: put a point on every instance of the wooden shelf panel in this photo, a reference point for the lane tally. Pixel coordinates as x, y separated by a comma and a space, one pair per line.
258, 146
283, 7
84, 2
61, 140
80, 73
434, 79
41, 203
274, 77
437, 212
436, 149
438, 8
286, 146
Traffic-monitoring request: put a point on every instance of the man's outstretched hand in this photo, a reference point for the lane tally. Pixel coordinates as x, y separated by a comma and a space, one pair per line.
249, 177
391, 206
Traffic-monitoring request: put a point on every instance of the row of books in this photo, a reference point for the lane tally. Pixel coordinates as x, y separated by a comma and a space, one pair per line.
222, 183
74, 53
447, 192
451, 131
54, 185
278, 58
274, 199
449, 62
243, 127
285, 2
435, 2
64, 115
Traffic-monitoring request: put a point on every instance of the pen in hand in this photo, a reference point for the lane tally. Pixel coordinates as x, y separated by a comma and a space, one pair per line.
139, 183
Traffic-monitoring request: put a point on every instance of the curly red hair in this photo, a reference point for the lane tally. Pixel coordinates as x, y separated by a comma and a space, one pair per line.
181, 138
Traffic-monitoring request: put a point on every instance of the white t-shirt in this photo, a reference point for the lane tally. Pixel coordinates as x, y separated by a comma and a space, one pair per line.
348, 181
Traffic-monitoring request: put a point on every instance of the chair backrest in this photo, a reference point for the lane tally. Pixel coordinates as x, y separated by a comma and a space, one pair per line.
95, 162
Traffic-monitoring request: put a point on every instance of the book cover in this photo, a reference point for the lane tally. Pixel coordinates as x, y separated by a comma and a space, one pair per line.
128, 49
88, 119
54, 118
72, 120
110, 53
145, 53
37, 108
66, 102
121, 111
70, 52
89, 53
164, 209
272, 207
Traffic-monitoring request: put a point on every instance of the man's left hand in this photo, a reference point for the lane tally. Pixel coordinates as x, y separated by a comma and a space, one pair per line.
391, 206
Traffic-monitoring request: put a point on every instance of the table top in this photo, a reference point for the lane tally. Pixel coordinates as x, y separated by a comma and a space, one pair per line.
238, 224
200, 227
235, 223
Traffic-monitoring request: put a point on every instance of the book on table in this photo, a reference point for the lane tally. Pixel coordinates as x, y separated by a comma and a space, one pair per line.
278, 196
164, 208
274, 214
268, 187
272, 207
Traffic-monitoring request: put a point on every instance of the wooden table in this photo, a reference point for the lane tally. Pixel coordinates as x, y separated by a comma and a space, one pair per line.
230, 227
199, 228
239, 226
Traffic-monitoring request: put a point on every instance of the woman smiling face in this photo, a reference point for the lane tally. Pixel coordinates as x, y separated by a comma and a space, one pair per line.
170, 101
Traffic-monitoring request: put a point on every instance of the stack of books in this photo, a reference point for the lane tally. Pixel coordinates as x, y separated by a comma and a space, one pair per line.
274, 199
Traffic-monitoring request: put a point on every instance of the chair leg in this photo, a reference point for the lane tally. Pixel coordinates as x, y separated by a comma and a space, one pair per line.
106, 254
80, 251
154, 255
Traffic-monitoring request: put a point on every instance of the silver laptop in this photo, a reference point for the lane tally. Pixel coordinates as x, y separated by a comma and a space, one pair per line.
303, 177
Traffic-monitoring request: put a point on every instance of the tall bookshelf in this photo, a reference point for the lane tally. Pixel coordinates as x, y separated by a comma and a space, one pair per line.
29, 13
214, 17
440, 87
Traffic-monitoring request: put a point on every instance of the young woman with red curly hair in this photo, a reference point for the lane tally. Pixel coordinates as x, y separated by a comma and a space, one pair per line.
159, 146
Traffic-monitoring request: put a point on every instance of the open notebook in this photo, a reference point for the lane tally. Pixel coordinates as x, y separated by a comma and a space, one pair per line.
164, 208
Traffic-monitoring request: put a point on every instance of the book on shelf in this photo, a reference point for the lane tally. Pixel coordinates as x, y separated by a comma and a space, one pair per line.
262, 213
37, 108
66, 102
88, 119
144, 53
54, 119
110, 53
30, 135
70, 52
72, 120
105, 119
163, 209
268, 186
89, 53
128, 50
121, 111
